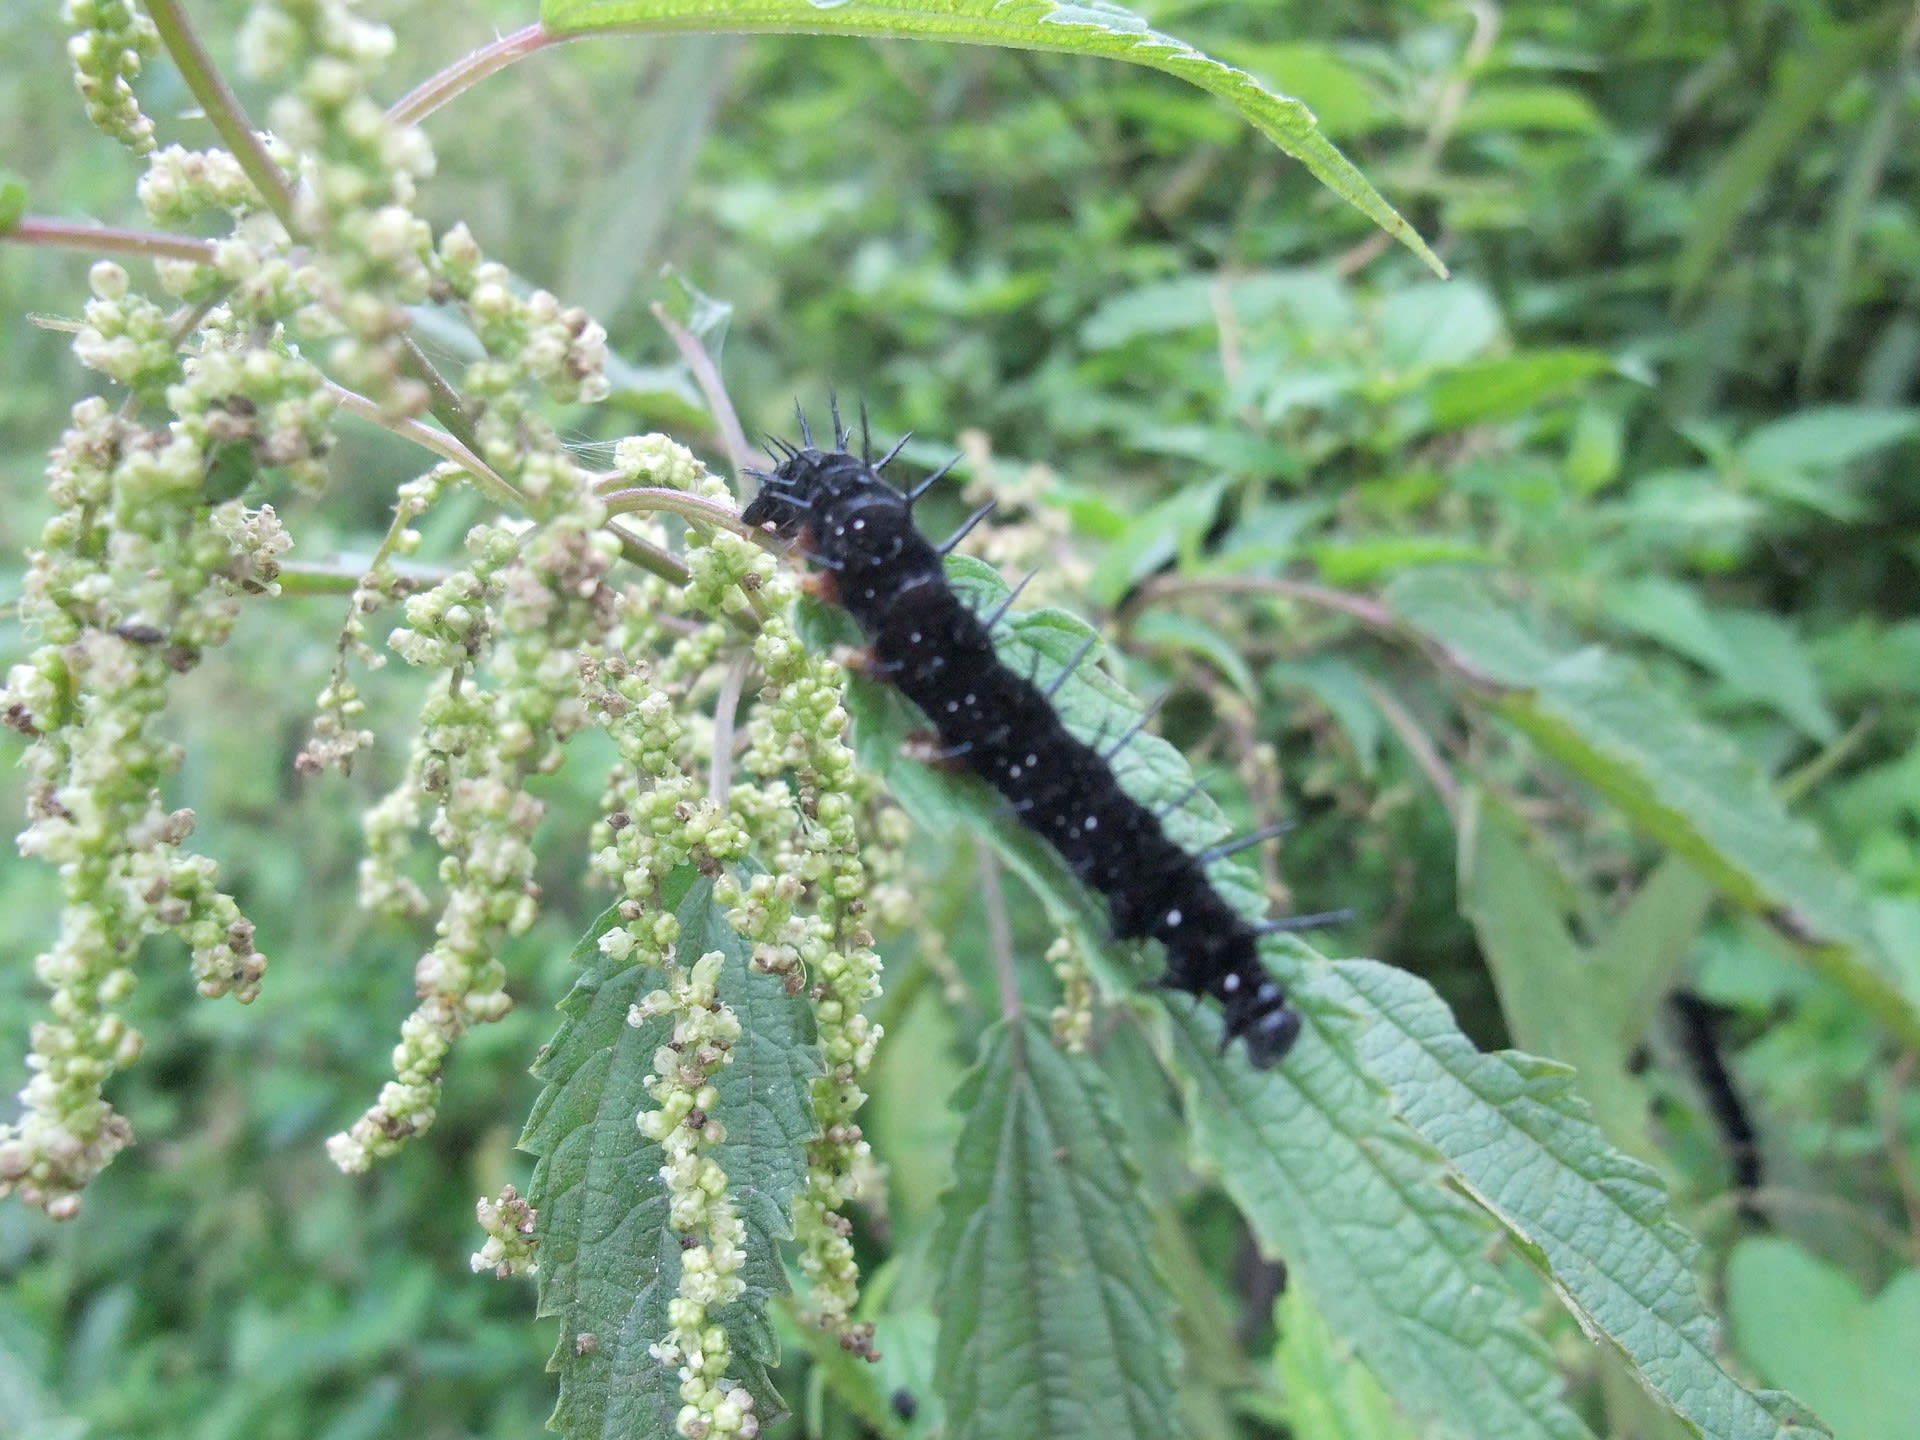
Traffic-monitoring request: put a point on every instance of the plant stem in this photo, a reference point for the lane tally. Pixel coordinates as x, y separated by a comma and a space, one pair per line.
108, 240
645, 499
726, 712
707, 375
463, 74
999, 930
317, 577
222, 108
650, 558
448, 447
444, 401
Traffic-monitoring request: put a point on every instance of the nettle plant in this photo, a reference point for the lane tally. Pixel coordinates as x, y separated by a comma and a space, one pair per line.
698, 1137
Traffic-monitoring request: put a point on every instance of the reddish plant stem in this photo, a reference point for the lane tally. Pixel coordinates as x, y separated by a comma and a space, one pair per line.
222, 107
707, 376
463, 74
108, 240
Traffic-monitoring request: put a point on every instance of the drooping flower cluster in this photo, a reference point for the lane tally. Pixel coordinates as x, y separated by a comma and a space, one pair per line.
525, 609
337, 735
112, 39
533, 640
356, 177
807, 916
700, 1207
135, 578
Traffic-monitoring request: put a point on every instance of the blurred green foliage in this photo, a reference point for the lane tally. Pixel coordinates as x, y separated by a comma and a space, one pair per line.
1668, 405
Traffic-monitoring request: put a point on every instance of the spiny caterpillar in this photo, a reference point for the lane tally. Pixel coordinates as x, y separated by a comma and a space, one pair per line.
1000, 725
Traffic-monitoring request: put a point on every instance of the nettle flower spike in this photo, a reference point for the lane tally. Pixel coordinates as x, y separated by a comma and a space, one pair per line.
525, 612
112, 40
713, 1247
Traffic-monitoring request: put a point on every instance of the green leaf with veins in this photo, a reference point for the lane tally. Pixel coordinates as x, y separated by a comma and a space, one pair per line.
1093, 27
1319, 1155
1053, 1318
1688, 786
609, 1261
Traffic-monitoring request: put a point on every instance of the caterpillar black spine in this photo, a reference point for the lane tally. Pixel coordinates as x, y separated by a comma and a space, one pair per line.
1002, 726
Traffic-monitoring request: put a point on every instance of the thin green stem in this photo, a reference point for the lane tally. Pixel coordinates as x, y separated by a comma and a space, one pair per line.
108, 240
463, 74
651, 558
301, 579
222, 108
444, 401
492, 484
648, 499
707, 376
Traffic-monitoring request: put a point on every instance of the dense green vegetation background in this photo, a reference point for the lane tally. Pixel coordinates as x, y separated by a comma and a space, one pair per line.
1666, 405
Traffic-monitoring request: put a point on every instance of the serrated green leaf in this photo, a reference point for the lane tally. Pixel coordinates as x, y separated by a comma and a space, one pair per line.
1342, 97
1333, 1180
1053, 1320
1553, 998
1330, 1180
1091, 27
609, 1261
1682, 782
1526, 1147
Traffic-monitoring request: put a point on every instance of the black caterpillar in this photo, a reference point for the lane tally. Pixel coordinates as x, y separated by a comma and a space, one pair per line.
925, 641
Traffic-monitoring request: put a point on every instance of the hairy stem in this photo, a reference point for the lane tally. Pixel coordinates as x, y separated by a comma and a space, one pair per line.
222, 107
444, 401
492, 484
463, 74
108, 240
650, 558
646, 499
319, 577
